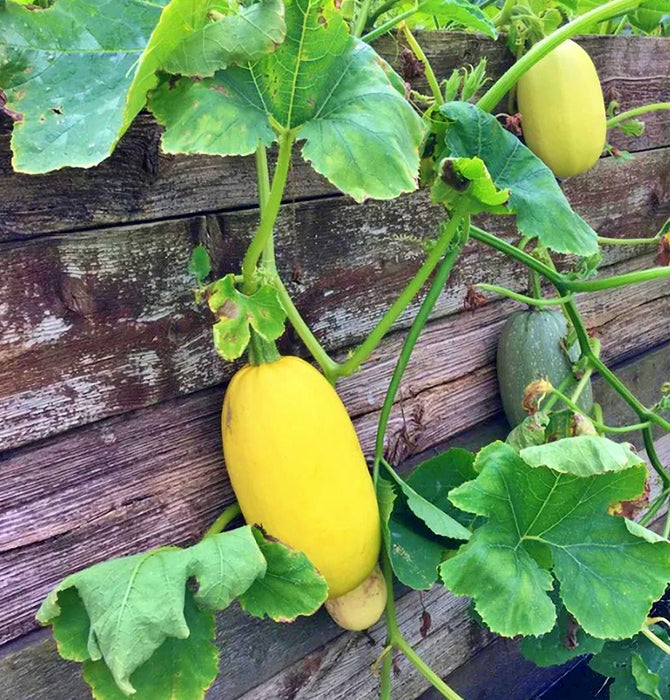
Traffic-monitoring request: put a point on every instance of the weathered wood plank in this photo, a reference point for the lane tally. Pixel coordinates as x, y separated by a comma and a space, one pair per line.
97, 324
131, 483
138, 183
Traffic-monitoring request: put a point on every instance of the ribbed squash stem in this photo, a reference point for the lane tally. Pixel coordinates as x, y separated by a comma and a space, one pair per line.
261, 351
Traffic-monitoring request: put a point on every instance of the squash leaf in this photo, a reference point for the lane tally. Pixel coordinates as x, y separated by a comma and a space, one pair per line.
640, 669
414, 551
78, 73
290, 587
212, 40
582, 455
420, 525
334, 91
545, 526
567, 640
461, 12
238, 313
468, 178
541, 207
170, 673
133, 604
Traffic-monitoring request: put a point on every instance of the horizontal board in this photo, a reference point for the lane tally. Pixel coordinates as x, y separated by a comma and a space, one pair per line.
139, 183
101, 323
157, 476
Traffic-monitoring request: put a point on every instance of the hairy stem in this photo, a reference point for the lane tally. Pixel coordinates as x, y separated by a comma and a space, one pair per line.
220, 524
408, 346
388, 25
269, 215
504, 15
603, 240
570, 403
636, 112
654, 273
655, 640
615, 7
384, 7
263, 181
407, 295
361, 18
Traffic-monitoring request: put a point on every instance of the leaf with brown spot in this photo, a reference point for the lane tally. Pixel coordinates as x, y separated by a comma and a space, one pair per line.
238, 313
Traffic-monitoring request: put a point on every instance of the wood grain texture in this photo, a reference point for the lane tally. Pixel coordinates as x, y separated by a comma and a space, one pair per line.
95, 324
156, 476
139, 183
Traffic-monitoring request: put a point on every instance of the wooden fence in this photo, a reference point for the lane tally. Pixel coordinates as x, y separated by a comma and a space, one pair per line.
110, 390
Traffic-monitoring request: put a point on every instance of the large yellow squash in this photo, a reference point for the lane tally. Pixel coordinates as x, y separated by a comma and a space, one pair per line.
298, 470
563, 111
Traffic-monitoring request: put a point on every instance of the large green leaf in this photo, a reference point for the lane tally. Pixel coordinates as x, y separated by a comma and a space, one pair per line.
78, 75
333, 90
461, 12
244, 34
438, 521
640, 669
135, 603
541, 207
79, 72
180, 669
290, 587
566, 641
544, 524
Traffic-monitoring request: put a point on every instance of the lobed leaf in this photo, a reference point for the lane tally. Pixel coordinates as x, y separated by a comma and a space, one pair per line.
290, 587
640, 669
543, 524
238, 313
582, 455
242, 35
135, 603
332, 90
170, 673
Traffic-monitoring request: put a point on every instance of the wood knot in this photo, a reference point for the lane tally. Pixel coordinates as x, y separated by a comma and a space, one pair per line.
76, 296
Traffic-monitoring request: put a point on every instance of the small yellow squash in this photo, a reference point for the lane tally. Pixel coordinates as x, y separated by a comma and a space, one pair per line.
361, 607
298, 470
563, 111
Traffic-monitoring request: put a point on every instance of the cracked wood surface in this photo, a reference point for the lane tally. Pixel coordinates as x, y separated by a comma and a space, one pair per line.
100, 323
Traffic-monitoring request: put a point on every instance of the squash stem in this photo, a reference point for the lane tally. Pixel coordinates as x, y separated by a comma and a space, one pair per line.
408, 346
636, 112
269, 213
418, 52
261, 351
407, 295
220, 524
603, 240
522, 298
